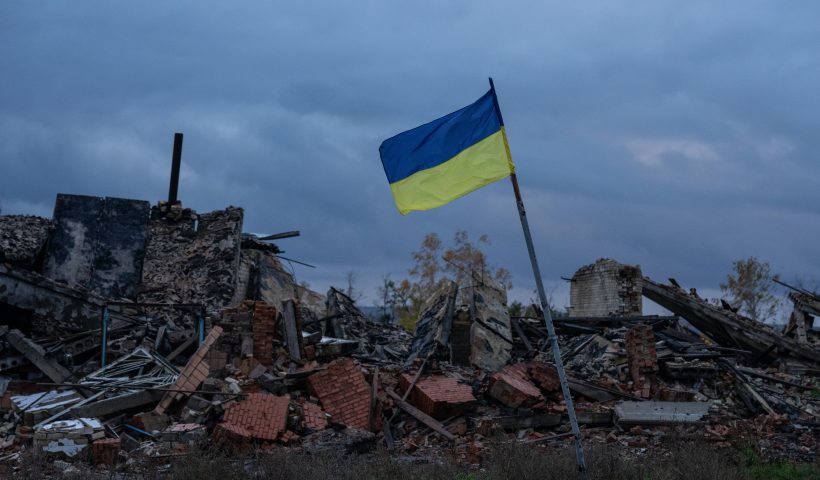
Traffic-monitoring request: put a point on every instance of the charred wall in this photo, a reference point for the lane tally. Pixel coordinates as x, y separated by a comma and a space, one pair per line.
98, 243
192, 258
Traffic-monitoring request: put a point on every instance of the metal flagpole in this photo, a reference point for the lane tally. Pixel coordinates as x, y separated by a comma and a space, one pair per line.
556, 351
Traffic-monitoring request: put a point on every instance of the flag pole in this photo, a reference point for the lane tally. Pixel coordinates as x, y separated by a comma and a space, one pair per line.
553, 338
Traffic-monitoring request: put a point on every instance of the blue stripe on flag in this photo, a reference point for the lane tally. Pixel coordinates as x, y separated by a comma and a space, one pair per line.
440, 140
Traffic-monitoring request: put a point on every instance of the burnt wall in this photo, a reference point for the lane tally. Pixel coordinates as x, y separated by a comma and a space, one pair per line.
50, 306
98, 243
193, 258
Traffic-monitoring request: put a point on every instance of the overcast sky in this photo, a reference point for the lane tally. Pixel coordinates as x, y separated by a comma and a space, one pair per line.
675, 135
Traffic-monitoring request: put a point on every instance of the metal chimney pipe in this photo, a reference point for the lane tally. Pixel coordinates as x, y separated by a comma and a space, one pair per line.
176, 160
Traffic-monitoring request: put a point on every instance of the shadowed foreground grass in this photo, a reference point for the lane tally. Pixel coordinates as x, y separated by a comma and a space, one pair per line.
517, 462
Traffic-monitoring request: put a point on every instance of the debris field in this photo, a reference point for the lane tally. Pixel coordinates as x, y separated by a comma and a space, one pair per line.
130, 331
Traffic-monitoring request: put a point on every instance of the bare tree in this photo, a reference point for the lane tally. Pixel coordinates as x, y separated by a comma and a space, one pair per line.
352, 291
749, 288
384, 296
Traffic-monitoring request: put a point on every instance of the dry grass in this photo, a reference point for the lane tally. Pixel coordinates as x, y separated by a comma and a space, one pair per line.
685, 461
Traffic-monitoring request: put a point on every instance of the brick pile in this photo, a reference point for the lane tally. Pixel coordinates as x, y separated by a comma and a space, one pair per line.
289, 438
544, 376
439, 396
642, 358
236, 437
105, 451
260, 416
343, 393
194, 373
264, 329
315, 417
512, 386
216, 360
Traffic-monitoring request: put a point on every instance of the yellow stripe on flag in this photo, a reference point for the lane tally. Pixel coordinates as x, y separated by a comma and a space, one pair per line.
474, 167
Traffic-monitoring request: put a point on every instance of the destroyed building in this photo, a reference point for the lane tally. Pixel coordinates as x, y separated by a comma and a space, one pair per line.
606, 288
130, 330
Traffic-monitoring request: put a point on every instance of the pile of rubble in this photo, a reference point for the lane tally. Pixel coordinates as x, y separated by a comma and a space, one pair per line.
173, 329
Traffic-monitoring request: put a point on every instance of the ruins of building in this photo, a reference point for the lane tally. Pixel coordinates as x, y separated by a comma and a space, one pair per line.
210, 339
606, 288
466, 324
98, 250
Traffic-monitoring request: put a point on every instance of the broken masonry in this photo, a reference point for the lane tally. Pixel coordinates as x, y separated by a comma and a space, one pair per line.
129, 329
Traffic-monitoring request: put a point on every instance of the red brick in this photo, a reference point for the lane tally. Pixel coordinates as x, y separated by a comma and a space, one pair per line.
261, 415
264, 331
439, 396
512, 387
105, 451
314, 416
544, 376
642, 358
193, 374
343, 393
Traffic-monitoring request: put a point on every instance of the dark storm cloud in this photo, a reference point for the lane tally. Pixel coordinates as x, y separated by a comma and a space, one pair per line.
677, 136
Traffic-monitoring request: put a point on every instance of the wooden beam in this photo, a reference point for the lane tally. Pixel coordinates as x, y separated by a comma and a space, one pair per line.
520, 332
292, 331
420, 416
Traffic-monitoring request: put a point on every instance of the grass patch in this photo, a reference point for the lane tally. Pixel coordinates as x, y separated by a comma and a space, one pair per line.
783, 472
682, 461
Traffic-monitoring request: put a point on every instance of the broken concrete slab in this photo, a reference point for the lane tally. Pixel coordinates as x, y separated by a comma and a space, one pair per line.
660, 413
117, 404
491, 332
37, 407
68, 437
37, 355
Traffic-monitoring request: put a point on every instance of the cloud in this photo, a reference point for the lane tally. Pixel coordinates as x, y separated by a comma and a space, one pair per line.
661, 152
678, 136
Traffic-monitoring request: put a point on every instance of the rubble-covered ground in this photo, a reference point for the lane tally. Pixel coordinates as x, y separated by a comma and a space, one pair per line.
163, 342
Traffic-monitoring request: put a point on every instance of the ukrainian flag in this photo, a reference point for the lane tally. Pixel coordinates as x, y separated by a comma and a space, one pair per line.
445, 159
